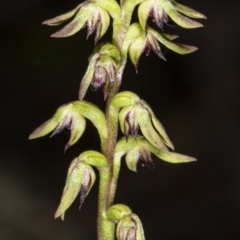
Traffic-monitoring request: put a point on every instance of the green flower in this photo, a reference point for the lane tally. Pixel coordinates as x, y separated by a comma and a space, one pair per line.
102, 70
72, 116
161, 10
66, 117
129, 226
139, 41
80, 179
87, 13
139, 155
135, 114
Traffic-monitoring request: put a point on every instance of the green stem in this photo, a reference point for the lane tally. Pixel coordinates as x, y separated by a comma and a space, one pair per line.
105, 228
108, 178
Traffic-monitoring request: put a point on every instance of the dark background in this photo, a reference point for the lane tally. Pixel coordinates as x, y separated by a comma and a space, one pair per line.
196, 97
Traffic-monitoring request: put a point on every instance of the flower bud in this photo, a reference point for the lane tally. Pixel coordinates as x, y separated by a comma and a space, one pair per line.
118, 211
80, 179
130, 228
94, 158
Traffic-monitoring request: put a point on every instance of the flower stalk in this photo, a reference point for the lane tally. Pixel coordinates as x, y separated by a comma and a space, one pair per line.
143, 133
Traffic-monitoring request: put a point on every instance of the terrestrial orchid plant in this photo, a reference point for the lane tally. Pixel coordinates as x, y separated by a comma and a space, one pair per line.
143, 133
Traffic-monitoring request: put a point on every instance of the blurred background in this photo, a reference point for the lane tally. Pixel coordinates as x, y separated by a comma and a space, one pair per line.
195, 96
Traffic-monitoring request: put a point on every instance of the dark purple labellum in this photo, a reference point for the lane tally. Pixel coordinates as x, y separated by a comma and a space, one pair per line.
147, 163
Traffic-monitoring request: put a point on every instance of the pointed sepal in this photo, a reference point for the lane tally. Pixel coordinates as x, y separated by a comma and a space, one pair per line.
178, 18
187, 11
87, 78
136, 49
176, 47
62, 18
77, 23
66, 116
167, 156
80, 179
158, 126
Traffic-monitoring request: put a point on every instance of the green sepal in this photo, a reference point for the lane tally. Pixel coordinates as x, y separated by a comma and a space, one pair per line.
123, 147
139, 232
95, 115
139, 154
176, 47
187, 10
143, 12
155, 46
103, 27
87, 78
122, 115
45, 128
130, 225
94, 158
136, 49
124, 99
170, 36
132, 157
158, 126
66, 116
134, 31
118, 211
80, 177
144, 120
77, 23
167, 156
111, 6
178, 18
62, 18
